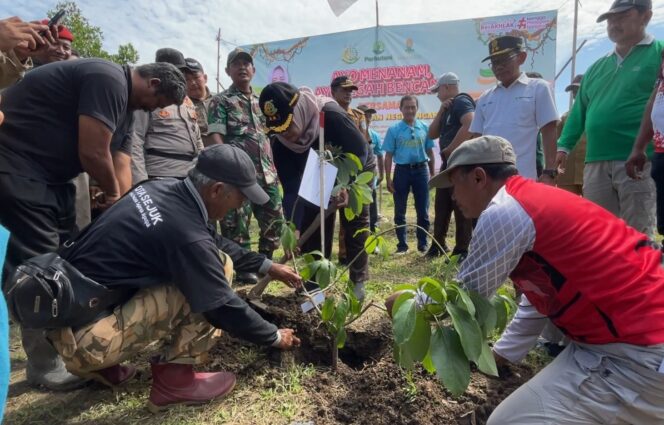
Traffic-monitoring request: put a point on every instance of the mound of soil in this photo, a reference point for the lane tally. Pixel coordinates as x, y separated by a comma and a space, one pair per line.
368, 387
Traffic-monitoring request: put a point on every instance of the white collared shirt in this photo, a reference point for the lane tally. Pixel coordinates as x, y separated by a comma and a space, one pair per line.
517, 113
647, 40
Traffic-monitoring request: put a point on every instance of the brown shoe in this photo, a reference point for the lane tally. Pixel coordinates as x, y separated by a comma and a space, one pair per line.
113, 376
174, 383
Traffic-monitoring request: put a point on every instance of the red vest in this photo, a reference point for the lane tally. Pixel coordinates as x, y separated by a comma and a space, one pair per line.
597, 279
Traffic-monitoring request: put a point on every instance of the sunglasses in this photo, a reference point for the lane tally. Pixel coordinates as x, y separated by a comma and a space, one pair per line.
503, 61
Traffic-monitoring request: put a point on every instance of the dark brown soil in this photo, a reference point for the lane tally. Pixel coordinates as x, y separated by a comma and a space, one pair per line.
368, 387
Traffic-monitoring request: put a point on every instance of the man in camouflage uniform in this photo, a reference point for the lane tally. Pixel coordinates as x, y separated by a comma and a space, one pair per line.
198, 92
166, 141
236, 118
342, 92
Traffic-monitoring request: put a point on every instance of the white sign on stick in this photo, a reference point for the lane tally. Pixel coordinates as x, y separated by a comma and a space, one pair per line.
310, 186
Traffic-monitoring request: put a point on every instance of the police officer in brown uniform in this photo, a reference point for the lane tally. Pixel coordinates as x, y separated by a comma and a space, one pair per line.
166, 141
342, 92
199, 93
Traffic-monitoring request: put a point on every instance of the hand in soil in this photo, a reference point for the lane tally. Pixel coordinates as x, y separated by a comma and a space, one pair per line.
288, 339
285, 274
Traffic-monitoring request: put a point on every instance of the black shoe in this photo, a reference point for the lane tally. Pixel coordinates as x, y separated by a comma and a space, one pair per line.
402, 250
422, 248
246, 278
343, 261
460, 254
433, 252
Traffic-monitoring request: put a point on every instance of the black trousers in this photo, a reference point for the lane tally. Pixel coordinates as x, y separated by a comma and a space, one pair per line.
657, 174
40, 217
443, 208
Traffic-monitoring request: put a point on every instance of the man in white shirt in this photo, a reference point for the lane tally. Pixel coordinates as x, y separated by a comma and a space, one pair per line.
517, 108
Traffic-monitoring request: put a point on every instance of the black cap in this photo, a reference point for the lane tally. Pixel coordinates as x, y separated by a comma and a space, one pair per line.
343, 82
193, 65
172, 56
277, 101
504, 44
229, 164
576, 83
619, 6
366, 109
238, 53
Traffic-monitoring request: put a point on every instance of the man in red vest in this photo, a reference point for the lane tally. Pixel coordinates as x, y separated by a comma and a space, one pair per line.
598, 280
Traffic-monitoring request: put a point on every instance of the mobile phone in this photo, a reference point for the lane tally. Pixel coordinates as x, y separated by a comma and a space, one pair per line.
54, 21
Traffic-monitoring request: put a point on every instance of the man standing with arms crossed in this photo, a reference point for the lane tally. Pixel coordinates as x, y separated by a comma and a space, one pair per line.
236, 118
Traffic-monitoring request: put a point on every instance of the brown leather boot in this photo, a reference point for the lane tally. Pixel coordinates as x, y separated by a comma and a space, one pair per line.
174, 383
113, 376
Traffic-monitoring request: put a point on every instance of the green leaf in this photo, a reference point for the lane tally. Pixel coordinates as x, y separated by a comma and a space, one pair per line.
501, 313
365, 192
485, 313
447, 355
365, 177
427, 363
354, 202
418, 343
355, 161
327, 312
343, 173
341, 313
288, 241
370, 244
434, 291
404, 321
405, 287
341, 337
323, 274
402, 357
349, 213
486, 362
468, 329
467, 303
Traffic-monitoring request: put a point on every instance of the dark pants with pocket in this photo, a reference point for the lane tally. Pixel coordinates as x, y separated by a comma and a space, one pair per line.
40, 217
657, 174
444, 205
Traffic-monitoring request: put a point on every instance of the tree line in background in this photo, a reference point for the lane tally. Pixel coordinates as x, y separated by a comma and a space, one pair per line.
88, 38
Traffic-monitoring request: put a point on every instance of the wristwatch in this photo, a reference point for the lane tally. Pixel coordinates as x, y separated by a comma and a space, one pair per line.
550, 172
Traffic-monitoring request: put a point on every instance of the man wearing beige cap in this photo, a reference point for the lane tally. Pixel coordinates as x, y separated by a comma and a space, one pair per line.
570, 257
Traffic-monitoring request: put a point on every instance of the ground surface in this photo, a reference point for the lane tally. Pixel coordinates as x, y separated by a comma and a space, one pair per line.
297, 387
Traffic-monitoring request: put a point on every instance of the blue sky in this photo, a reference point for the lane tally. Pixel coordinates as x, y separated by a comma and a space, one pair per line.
191, 26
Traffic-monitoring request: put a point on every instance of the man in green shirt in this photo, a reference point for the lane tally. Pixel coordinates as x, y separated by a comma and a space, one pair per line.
609, 108
235, 118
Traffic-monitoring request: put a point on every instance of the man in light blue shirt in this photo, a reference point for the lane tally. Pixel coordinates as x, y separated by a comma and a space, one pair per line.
407, 144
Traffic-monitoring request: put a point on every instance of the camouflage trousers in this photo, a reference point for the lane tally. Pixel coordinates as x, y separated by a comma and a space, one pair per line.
153, 314
235, 225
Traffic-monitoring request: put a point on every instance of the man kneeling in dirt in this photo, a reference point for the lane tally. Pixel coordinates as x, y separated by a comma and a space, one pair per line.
157, 241
598, 280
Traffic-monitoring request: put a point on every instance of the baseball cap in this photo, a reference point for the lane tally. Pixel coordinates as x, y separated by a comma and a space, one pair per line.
238, 53
343, 82
191, 64
576, 82
623, 5
229, 164
366, 109
172, 56
504, 44
277, 101
481, 150
446, 78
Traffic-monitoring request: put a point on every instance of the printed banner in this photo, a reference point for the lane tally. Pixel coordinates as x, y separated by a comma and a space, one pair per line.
389, 62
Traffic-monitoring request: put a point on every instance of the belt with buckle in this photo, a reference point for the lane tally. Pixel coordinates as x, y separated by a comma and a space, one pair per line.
416, 165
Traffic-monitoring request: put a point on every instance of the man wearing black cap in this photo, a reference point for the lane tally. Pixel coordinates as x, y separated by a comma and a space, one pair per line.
199, 93
518, 108
236, 119
571, 174
157, 243
75, 107
166, 141
609, 108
